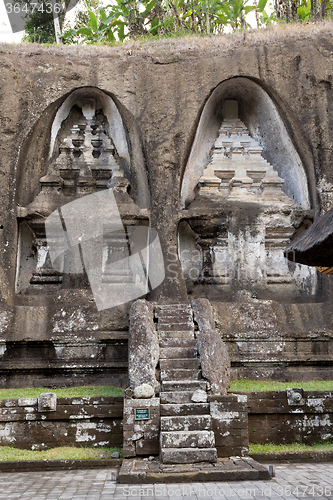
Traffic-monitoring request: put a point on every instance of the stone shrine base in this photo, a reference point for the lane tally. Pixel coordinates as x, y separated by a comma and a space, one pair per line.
143, 471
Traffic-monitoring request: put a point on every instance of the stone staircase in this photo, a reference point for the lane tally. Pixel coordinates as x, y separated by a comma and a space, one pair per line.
186, 434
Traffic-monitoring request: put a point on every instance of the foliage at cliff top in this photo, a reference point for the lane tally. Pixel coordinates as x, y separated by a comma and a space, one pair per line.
181, 46
128, 20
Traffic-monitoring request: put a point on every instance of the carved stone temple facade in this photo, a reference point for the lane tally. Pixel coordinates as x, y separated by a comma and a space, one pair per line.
171, 176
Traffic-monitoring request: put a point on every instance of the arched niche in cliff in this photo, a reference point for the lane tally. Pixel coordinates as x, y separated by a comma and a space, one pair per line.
40, 146
245, 192
91, 145
283, 146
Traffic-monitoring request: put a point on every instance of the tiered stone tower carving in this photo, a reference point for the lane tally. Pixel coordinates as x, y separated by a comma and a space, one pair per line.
237, 169
241, 217
84, 161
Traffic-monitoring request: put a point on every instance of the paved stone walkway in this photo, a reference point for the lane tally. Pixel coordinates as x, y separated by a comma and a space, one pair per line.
303, 481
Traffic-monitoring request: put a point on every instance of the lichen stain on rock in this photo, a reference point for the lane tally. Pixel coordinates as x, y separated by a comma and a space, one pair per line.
316, 403
3, 321
76, 321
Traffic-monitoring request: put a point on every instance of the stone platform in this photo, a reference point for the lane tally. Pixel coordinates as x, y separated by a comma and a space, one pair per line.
144, 471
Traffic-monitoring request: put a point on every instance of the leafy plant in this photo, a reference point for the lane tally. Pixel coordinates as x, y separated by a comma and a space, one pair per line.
233, 13
304, 10
98, 27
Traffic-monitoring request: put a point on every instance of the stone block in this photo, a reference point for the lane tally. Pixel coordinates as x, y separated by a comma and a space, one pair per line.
186, 423
180, 374
176, 334
232, 440
176, 397
152, 434
147, 447
184, 385
187, 439
178, 352
129, 450
185, 409
214, 356
187, 364
169, 327
188, 456
231, 451
178, 342
143, 345
27, 401
47, 402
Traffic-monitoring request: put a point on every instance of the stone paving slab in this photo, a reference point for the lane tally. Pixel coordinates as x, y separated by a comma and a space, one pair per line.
143, 471
297, 456
311, 481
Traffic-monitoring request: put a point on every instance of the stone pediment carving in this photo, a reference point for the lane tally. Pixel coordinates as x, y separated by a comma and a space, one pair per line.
240, 219
83, 161
237, 169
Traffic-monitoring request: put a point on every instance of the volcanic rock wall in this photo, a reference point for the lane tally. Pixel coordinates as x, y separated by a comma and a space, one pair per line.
162, 92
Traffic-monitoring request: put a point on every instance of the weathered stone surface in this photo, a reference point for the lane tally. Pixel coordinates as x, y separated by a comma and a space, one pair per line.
300, 95
147, 447
186, 423
178, 352
141, 436
47, 402
177, 334
199, 396
188, 456
185, 385
185, 409
214, 357
74, 422
187, 439
143, 348
180, 374
178, 342
143, 391
184, 363
176, 397
230, 425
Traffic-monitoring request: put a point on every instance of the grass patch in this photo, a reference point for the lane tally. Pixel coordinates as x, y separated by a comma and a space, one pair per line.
68, 392
263, 385
109, 390
8, 454
183, 43
294, 447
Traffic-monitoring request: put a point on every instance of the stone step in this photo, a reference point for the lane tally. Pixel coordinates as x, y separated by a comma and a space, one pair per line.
178, 352
187, 423
188, 455
176, 397
185, 409
183, 385
175, 327
173, 317
187, 439
179, 363
180, 374
173, 307
176, 342
186, 334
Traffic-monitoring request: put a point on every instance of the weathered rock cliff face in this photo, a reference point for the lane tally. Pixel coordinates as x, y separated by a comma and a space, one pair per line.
170, 96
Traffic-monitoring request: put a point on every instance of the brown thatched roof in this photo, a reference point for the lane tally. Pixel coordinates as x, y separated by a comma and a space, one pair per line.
314, 247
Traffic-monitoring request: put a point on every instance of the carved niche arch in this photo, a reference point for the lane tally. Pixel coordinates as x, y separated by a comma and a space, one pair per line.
248, 185
90, 142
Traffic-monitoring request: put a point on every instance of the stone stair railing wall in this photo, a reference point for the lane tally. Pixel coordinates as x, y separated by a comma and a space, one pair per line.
48, 422
191, 418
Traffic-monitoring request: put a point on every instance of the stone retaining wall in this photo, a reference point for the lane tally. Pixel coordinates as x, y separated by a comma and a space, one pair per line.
87, 421
276, 417
284, 417
230, 425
